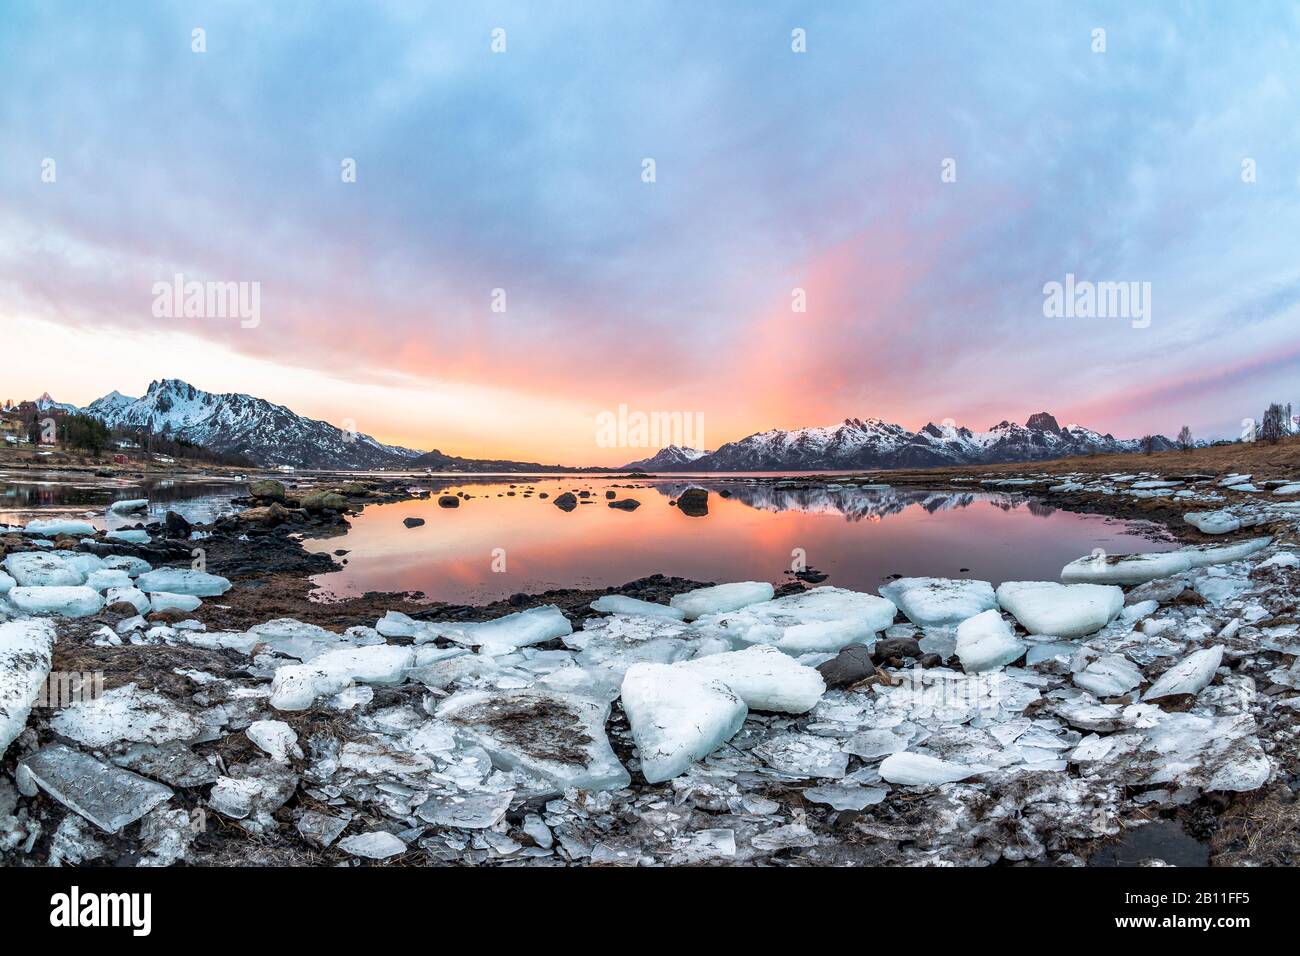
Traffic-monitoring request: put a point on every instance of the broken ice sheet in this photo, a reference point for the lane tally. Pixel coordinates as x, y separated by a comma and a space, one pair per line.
107, 796
376, 845
804, 755
469, 811
126, 714
557, 737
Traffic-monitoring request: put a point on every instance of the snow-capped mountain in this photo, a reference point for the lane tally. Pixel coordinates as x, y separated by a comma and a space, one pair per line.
231, 422
47, 404
669, 458
872, 443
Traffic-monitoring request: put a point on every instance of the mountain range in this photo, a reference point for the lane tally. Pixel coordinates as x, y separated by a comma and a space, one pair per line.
272, 435
856, 443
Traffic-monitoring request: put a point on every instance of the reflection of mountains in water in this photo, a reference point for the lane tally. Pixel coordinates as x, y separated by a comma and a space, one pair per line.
854, 503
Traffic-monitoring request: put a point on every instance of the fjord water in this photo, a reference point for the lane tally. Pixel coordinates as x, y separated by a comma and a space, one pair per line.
499, 542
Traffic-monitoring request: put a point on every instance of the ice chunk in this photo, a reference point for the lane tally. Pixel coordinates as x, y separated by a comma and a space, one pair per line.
128, 536
1283, 559
79, 601
167, 601
1109, 676
128, 595
764, 678
557, 737
297, 686
6, 583
1140, 568
845, 796
375, 845
128, 506
124, 562
915, 770
183, 581
1045, 607
25, 648
939, 601
722, 598
1189, 675
469, 811
33, 569
397, 624
275, 738
622, 604
505, 634
823, 619
677, 717
1213, 522
104, 578
57, 527
804, 755
126, 713
986, 641
320, 829
107, 796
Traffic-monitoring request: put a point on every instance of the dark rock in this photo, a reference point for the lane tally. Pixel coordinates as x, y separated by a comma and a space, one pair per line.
448, 501
324, 500
847, 667
175, 525
267, 488
566, 501
413, 522
626, 504
895, 647
694, 502
610, 495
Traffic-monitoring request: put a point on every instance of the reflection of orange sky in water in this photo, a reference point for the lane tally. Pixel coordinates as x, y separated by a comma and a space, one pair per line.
450, 557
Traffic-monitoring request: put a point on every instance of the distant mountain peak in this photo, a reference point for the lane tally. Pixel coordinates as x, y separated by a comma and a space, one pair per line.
1043, 421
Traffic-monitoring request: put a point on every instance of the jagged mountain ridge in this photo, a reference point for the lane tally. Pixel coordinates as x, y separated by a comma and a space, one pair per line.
872, 443
233, 422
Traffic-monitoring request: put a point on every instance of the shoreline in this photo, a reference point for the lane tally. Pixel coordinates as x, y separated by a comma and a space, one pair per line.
261, 552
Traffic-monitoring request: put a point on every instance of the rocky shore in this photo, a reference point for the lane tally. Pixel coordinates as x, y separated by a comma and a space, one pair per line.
172, 694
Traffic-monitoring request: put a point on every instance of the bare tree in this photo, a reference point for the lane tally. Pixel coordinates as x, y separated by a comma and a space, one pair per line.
1272, 428
1185, 439
1148, 444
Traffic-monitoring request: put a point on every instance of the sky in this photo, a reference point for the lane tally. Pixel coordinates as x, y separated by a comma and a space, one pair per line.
500, 274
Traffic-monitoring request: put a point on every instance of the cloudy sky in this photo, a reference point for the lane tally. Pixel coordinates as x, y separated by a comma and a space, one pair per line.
774, 170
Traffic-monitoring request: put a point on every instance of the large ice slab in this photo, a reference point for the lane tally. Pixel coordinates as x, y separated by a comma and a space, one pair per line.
722, 598
107, 796
296, 686
1061, 610
183, 581
1109, 676
1188, 676
25, 648
126, 713
677, 717
938, 602
622, 604
557, 737
33, 569
986, 641
55, 527
1140, 568
79, 601
505, 634
764, 678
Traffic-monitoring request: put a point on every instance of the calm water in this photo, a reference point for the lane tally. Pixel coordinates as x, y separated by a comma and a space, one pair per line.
858, 536
25, 497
